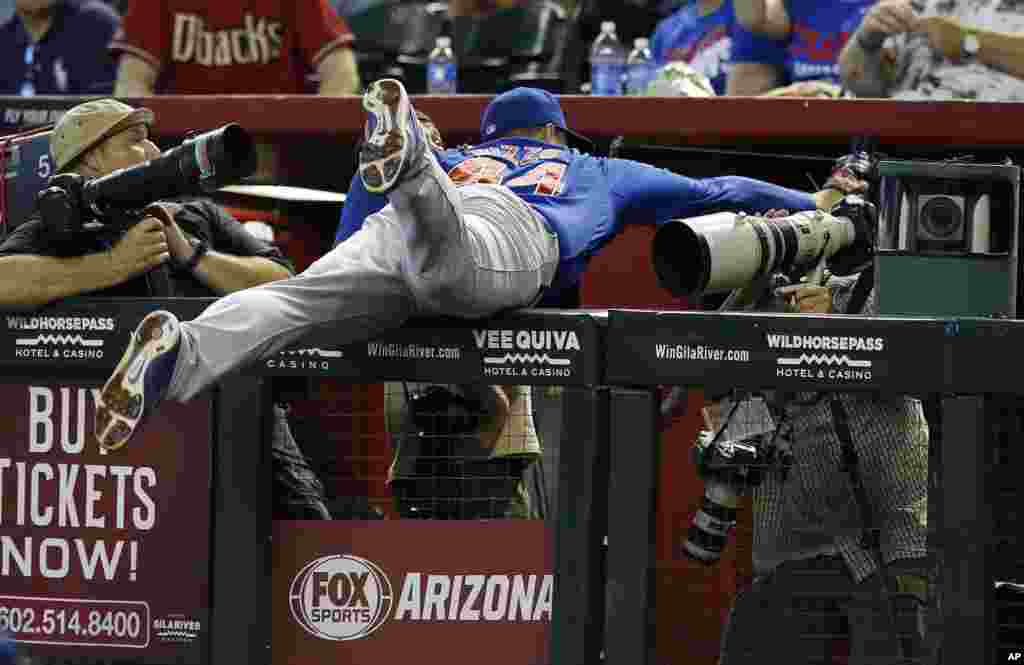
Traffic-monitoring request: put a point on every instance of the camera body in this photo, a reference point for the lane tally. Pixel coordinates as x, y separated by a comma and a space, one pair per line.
947, 238
732, 455
202, 164
730, 469
438, 411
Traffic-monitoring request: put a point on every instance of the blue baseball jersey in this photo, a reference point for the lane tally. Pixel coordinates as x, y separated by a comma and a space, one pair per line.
70, 59
587, 200
703, 42
811, 52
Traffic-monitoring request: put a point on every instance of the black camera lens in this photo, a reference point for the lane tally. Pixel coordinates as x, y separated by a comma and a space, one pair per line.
941, 217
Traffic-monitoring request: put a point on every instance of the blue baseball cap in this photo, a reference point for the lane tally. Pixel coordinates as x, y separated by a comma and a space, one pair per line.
525, 108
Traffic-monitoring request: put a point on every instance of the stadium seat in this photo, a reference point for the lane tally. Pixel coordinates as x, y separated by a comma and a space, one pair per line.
393, 39
509, 43
25, 167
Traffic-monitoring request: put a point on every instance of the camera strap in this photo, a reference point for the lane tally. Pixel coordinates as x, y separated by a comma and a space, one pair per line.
861, 290
871, 537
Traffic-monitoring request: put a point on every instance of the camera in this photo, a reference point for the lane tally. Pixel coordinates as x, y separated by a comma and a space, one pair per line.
951, 226
732, 457
439, 411
724, 251
941, 217
201, 164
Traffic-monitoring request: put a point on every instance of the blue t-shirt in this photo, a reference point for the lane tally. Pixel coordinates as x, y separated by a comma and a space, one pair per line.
70, 59
811, 52
703, 42
587, 200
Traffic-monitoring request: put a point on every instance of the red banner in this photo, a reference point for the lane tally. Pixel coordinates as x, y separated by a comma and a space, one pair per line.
396, 591
105, 554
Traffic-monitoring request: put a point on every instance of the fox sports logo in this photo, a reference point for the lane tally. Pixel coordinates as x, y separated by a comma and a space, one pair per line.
341, 597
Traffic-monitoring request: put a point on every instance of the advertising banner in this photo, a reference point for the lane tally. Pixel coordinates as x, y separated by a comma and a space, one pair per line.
533, 346
785, 352
409, 591
103, 554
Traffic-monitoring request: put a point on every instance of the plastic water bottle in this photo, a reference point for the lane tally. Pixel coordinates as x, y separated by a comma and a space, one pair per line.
607, 62
640, 67
442, 76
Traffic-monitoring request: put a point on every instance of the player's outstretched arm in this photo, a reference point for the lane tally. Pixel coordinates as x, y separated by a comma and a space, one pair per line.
643, 194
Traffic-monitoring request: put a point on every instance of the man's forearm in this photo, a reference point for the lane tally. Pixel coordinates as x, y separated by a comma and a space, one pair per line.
766, 17
1002, 51
339, 73
751, 78
861, 69
135, 77
30, 281
226, 273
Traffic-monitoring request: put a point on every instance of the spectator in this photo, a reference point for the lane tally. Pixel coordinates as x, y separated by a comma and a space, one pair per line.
57, 47
950, 50
210, 252
790, 48
233, 47
700, 35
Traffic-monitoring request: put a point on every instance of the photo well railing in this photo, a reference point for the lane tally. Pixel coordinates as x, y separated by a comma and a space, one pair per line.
607, 473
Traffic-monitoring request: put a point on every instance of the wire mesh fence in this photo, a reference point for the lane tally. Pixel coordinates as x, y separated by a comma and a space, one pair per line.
409, 450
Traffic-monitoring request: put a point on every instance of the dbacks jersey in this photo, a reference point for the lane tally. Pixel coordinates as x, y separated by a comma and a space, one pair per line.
231, 46
586, 200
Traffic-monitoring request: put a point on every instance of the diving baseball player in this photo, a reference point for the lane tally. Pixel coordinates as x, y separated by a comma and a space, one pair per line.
467, 232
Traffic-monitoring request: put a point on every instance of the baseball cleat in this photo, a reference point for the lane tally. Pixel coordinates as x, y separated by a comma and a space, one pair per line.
140, 379
393, 138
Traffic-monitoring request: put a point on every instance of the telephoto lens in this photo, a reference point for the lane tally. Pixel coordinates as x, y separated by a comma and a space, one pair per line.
714, 521
724, 250
200, 165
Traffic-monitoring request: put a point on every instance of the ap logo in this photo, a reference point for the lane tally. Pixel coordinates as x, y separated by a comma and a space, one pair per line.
341, 597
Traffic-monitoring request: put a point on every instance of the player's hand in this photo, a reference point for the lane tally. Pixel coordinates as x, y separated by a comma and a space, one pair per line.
807, 298
890, 17
142, 248
945, 35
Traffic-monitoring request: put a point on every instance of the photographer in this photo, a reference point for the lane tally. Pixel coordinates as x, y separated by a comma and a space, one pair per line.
938, 50
839, 536
206, 251
461, 451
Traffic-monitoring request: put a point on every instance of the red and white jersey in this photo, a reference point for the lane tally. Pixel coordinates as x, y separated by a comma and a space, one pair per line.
231, 46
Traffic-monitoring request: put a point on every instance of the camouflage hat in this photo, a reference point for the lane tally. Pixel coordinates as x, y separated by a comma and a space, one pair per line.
86, 125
